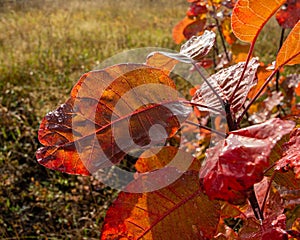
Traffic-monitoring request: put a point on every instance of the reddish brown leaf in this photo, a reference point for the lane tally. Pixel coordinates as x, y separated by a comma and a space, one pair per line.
289, 53
196, 9
110, 113
249, 17
224, 83
238, 162
289, 14
187, 28
179, 211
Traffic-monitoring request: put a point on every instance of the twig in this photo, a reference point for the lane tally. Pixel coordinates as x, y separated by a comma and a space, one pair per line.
267, 193
280, 45
207, 128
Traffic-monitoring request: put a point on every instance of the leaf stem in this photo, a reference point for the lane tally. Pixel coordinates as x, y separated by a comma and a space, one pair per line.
280, 45
256, 95
254, 204
207, 82
207, 128
267, 193
203, 106
244, 70
220, 31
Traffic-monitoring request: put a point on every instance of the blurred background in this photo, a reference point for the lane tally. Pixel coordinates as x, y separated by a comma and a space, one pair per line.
45, 46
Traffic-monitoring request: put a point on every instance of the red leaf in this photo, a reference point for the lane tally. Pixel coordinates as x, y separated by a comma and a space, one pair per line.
179, 211
291, 155
187, 28
238, 162
224, 83
289, 14
196, 9
110, 113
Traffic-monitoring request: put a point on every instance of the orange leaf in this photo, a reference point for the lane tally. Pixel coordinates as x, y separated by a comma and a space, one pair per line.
179, 211
110, 113
262, 75
227, 31
289, 53
239, 52
249, 17
169, 156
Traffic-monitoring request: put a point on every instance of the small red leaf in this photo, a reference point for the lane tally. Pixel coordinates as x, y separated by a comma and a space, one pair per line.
187, 28
238, 162
289, 14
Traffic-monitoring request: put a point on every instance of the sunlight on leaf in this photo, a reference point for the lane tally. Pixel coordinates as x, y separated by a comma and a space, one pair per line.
249, 17
110, 113
289, 53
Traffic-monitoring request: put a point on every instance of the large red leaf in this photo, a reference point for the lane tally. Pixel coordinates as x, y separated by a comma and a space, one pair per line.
289, 14
224, 83
289, 53
110, 113
238, 162
179, 211
249, 17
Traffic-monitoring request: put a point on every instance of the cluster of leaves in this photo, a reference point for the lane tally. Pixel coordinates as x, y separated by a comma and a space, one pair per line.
240, 189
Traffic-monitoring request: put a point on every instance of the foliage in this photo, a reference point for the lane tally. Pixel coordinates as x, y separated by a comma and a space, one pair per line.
78, 137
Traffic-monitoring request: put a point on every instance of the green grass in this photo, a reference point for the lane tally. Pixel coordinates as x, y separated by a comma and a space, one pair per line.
45, 46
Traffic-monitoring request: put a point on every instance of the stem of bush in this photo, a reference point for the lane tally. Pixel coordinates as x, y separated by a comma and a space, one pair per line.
280, 45
207, 128
254, 204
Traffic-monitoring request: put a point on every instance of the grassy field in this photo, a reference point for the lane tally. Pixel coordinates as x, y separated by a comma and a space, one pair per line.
45, 46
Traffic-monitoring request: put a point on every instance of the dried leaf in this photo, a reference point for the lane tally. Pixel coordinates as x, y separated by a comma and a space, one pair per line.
110, 113
224, 83
193, 49
289, 53
179, 211
249, 17
197, 47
